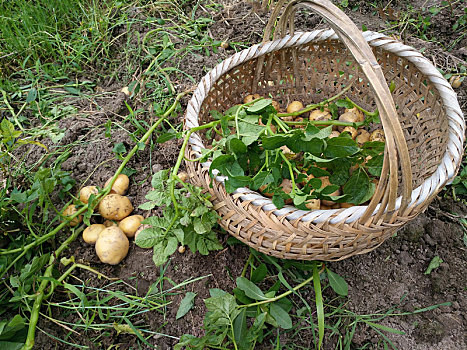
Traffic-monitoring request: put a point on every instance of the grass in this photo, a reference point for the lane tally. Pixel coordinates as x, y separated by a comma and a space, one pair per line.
61, 52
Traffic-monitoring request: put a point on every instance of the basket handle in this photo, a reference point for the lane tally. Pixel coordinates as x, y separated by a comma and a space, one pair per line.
396, 145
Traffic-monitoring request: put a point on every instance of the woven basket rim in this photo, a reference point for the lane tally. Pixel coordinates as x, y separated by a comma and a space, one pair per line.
443, 175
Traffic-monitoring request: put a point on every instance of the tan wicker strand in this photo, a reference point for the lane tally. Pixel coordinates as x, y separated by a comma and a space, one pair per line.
428, 120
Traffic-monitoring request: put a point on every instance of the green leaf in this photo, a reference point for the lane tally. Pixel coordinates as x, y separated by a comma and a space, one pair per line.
384, 328
338, 284
344, 103
185, 305
32, 94
148, 238
300, 143
434, 264
375, 165
236, 146
222, 163
259, 273
319, 304
6, 345
8, 130
340, 171
373, 148
72, 90
281, 316
465, 239
78, 293
240, 327
171, 246
241, 296
340, 147
357, 187
250, 289
274, 141
259, 106
434, 10
159, 179
313, 132
166, 136
158, 255
261, 179
249, 129
119, 148
9, 329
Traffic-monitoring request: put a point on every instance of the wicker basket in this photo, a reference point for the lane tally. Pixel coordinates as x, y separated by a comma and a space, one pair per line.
422, 121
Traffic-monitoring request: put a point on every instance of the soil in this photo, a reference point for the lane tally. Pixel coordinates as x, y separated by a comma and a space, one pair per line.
392, 275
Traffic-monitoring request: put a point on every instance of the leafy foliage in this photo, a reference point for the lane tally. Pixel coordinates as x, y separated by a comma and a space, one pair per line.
252, 154
192, 226
242, 320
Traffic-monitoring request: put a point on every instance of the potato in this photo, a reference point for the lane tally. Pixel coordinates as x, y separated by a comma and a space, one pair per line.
250, 98
86, 192
181, 249
377, 135
69, 211
362, 137
109, 223
276, 105
287, 188
455, 81
334, 133
317, 115
352, 131
288, 118
313, 204
294, 106
141, 228
120, 185
112, 245
286, 185
325, 182
357, 112
336, 206
347, 117
183, 176
286, 150
324, 207
91, 233
266, 194
115, 207
130, 225
224, 45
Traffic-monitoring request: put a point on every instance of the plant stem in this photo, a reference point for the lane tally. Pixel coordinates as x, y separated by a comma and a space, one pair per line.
48, 272
173, 175
280, 296
326, 123
250, 257
40, 292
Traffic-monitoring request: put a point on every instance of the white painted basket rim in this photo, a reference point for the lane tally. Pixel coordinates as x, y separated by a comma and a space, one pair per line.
443, 175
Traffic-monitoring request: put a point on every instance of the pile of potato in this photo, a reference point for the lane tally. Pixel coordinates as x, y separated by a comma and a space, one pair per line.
360, 135
111, 237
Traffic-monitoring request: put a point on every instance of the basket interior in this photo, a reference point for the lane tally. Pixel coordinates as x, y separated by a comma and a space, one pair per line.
315, 71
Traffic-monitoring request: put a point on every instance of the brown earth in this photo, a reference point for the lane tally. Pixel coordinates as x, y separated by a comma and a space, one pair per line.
392, 275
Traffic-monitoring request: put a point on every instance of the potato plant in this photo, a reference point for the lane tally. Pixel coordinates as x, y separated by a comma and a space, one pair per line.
294, 158
290, 158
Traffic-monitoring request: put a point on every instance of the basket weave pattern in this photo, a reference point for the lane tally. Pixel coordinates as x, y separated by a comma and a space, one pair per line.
311, 67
